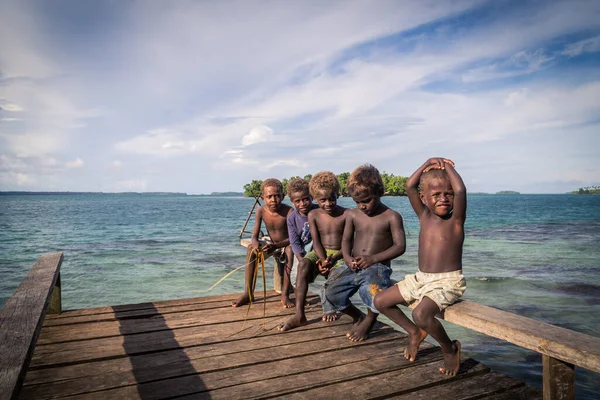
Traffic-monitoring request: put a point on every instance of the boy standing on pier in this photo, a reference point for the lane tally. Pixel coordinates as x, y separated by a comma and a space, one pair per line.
274, 214
373, 236
327, 227
441, 206
297, 221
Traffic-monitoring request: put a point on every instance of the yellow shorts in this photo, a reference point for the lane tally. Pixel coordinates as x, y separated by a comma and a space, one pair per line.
443, 288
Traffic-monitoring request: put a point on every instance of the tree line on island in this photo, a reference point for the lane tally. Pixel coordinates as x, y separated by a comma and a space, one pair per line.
393, 185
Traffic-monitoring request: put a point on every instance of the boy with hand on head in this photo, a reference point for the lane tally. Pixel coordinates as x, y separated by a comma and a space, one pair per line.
297, 221
441, 206
373, 236
326, 225
274, 214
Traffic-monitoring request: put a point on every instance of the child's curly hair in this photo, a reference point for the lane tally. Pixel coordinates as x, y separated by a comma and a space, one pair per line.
324, 180
297, 185
431, 175
365, 178
271, 182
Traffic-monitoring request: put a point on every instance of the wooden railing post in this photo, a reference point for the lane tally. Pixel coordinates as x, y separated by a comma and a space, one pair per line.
55, 306
559, 379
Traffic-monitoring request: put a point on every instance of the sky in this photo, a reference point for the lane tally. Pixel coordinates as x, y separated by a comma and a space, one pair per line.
205, 96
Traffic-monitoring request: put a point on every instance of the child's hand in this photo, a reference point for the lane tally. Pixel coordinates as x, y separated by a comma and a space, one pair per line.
437, 163
254, 244
363, 262
268, 248
324, 266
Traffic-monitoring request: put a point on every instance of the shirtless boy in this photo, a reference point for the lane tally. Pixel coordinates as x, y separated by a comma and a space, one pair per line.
274, 214
326, 226
373, 236
441, 206
297, 222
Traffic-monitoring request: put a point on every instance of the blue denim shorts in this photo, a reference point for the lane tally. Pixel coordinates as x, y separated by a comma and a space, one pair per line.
343, 283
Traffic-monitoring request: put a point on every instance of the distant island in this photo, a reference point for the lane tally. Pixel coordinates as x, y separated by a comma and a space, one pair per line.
225, 194
93, 193
587, 190
507, 192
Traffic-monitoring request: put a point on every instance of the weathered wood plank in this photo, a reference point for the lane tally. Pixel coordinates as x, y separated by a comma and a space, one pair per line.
53, 334
154, 304
564, 344
218, 357
160, 340
407, 380
197, 343
148, 312
251, 380
519, 393
559, 379
477, 387
21, 321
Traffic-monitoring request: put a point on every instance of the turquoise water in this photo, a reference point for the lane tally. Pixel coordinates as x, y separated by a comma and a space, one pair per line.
534, 255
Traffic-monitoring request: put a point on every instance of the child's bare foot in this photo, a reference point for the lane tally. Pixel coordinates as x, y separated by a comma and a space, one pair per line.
291, 323
361, 329
242, 301
286, 302
331, 316
452, 360
410, 353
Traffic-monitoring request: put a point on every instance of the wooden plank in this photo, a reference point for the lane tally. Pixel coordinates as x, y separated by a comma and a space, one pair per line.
559, 379
416, 377
21, 321
53, 334
165, 341
366, 372
160, 340
519, 393
159, 367
476, 387
160, 305
146, 312
560, 343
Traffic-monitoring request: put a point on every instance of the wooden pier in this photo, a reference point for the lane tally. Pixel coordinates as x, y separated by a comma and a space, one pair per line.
202, 348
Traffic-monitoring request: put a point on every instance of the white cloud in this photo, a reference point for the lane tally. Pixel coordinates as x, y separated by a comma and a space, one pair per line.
77, 163
11, 107
590, 45
258, 134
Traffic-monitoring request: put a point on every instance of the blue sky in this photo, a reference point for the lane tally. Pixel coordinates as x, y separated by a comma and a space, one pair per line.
200, 96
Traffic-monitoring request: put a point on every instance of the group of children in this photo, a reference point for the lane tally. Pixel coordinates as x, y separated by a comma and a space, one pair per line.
353, 249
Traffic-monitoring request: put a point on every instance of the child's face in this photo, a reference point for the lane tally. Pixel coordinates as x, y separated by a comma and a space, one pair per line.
366, 202
327, 200
438, 196
301, 201
272, 197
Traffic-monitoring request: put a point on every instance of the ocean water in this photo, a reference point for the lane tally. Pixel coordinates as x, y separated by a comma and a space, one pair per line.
534, 255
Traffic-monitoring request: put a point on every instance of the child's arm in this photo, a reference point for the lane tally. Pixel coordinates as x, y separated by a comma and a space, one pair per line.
412, 189
460, 192
348, 241
295, 241
313, 225
256, 230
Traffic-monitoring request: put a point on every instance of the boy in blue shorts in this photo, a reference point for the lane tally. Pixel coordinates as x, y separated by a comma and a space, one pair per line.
439, 197
373, 236
326, 225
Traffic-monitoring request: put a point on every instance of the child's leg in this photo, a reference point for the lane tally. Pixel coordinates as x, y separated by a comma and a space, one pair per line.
249, 281
424, 317
285, 295
386, 303
305, 271
337, 290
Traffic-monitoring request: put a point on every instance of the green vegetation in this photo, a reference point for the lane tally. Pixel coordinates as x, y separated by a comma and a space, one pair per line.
507, 192
588, 190
394, 185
